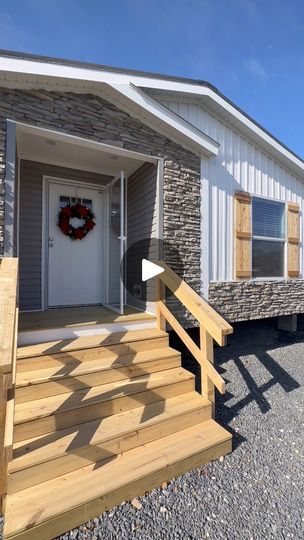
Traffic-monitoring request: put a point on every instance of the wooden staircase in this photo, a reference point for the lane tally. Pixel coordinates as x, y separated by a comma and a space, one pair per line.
99, 420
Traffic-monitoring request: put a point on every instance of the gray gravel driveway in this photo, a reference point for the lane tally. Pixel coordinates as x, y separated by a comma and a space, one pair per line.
255, 493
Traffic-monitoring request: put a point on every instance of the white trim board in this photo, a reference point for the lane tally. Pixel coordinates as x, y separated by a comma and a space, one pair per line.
54, 334
146, 106
164, 121
83, 141
39, 73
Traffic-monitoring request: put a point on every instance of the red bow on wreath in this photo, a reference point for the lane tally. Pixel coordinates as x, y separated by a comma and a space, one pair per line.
81, 212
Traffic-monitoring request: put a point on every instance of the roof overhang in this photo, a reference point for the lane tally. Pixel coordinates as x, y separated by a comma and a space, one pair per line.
24, 74
222, 108
135, 92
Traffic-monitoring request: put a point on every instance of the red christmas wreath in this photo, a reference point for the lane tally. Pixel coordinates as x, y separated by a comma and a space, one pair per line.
81, 212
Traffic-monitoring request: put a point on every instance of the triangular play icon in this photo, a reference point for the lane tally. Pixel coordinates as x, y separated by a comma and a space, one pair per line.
149, 269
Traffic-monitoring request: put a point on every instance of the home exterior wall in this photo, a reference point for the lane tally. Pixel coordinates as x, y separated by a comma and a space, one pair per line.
240, 165
247, 300
95, 118
142, 231
30, 220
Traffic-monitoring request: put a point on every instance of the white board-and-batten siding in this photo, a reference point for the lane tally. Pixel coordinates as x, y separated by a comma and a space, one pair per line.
240, 165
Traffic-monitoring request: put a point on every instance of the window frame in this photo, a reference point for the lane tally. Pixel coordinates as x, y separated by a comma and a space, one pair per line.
269, 239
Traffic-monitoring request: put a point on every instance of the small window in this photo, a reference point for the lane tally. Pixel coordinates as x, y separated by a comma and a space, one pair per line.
268, 240
65, 200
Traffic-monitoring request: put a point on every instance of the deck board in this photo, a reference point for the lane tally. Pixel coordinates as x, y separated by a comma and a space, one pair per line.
78, 316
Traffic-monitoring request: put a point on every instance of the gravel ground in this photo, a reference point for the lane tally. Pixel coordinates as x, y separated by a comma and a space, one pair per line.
257, 491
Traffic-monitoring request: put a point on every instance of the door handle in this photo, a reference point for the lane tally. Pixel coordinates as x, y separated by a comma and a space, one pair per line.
51, 241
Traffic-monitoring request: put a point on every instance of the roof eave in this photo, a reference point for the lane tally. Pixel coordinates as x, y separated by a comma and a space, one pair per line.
22, 64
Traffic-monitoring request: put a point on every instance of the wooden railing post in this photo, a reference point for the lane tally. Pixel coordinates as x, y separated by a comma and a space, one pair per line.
159, 297
212, 327
3, 401
8, 353
206, 346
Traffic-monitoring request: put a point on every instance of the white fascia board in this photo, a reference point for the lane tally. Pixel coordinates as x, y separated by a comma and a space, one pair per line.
171, 124
198, 91
162, 115
254, 128
55, 70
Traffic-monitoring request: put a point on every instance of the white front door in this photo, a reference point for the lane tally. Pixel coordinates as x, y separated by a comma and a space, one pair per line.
74, 266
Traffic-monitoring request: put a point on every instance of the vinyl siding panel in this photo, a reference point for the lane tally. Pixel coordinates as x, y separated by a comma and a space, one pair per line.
141, 228
30, 224
239, 165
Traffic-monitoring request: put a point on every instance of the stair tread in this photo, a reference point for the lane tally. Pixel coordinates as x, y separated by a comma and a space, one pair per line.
68, 401
112, 361
35, 505
85, 342
70, 440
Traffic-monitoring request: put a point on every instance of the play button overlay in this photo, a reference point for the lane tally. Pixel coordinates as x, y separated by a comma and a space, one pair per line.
137, 269
149, 270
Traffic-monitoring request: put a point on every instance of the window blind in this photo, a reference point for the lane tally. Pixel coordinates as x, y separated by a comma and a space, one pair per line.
268, 219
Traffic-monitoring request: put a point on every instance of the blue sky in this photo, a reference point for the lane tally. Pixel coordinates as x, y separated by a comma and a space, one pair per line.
252, 50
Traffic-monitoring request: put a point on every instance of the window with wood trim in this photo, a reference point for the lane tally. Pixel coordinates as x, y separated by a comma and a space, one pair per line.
267, 237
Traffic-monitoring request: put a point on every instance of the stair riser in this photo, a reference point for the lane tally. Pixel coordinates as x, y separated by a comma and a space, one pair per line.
83, 355
86, 413
93, 454
70, 384
71, 519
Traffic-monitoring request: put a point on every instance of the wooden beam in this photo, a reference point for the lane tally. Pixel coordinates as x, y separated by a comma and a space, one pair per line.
8, 300
193, 348
8, 352
160, 292
206, 344
200, 309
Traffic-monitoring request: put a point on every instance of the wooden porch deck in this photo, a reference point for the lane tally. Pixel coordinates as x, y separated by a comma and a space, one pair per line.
77, 317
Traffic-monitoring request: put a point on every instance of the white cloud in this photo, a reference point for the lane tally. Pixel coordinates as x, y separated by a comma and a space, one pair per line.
256, 69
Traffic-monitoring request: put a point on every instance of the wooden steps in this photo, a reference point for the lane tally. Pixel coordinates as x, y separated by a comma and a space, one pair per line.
98, 420
76, 375
45, 415
134, 339
57, 505
39, 459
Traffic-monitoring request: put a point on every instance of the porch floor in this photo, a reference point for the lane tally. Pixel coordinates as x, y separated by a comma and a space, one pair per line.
78, 316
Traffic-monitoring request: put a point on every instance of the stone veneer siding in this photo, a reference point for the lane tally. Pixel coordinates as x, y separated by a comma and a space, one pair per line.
247, 300
94, 118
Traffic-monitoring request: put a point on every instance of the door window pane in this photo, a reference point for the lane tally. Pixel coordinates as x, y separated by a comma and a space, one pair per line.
64, 201
87, 203
267, 258
268, 218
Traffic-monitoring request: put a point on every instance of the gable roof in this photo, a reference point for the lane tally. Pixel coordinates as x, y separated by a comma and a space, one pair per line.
135, 91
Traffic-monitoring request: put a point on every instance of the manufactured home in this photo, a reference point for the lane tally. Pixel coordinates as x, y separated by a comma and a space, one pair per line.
100, 168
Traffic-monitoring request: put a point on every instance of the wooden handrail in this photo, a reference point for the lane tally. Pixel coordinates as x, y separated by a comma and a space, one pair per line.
216, 326
8, 354
193, 348
212, 326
